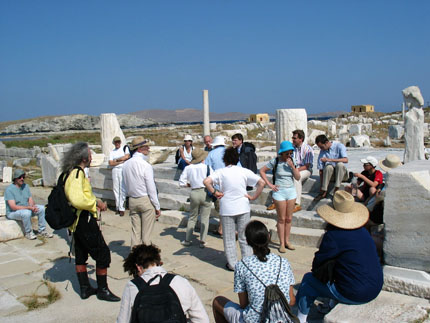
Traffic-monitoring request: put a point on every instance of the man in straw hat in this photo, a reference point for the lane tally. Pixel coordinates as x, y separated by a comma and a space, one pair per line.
117, 157
193, 177
139, 186
346, 267
21, 207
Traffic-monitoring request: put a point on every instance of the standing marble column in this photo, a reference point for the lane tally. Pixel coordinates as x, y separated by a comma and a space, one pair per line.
288, 120
206, 127
110, 128
414, 124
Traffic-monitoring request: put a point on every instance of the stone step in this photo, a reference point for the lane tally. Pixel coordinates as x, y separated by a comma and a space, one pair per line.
387, 307
306, 237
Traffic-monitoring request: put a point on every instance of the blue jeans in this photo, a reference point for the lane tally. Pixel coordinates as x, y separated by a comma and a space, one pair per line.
311, 288
182, 164
25, 217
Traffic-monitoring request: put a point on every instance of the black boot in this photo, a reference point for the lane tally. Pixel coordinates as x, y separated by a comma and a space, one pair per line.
85, 286
103, 292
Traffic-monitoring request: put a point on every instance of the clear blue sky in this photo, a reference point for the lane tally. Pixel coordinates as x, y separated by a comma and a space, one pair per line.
83, 56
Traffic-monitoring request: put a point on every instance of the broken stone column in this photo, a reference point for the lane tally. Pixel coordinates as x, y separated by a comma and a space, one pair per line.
206, 127
110, 128
288, 120
406, 216
414, 125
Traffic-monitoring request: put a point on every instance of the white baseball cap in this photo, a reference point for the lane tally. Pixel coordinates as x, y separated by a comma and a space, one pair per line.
370, 160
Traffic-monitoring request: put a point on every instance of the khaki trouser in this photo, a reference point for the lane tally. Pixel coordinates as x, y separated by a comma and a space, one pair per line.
199, 202
337, 174
142, 215
304, 175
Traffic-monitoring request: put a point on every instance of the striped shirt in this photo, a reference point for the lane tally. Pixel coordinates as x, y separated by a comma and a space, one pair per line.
304, 155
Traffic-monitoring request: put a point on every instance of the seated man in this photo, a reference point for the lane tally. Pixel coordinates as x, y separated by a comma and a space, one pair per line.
368, 180
331, 164
20, 206
144, 264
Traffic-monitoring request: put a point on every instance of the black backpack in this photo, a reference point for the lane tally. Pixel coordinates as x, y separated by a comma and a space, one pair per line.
156, 303
58, 213
274, 170
275, 305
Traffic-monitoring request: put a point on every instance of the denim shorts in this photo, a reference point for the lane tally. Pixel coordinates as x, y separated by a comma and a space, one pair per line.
285, 194
233, 312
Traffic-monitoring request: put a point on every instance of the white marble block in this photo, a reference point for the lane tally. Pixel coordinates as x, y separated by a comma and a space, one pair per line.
2, 206
313, 133
331, 128
50, 170
7, 174
10, 229
109, 129
396, 131
355, 129
360, 141
344, 138
407, 216
288, 120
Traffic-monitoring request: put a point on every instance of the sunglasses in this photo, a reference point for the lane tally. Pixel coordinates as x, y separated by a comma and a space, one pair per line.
188, 140
21, 177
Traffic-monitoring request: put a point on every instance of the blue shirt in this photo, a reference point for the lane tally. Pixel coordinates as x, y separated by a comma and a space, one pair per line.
336, 151
19, 194
284, 174
215, 158
357, 272
267, 272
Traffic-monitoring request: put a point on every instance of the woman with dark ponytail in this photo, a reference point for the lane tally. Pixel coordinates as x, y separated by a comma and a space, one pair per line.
262, 264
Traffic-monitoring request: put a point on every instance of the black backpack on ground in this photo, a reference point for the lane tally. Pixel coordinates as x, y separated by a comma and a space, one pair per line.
58, 213
275, 305
156, 303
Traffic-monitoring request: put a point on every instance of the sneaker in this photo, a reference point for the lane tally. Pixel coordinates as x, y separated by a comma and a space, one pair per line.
202, 244
30, 236
45, 234
297, 208
121, 213
186, 243
271, 207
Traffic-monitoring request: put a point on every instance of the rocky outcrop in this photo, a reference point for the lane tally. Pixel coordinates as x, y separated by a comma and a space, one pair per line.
71, 122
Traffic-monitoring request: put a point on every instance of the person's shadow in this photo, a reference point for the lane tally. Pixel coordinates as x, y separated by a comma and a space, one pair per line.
210, 255
63, 270
118, 247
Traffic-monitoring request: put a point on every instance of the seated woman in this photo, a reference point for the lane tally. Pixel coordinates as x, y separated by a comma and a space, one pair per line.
346, 267
145, 261
263, 264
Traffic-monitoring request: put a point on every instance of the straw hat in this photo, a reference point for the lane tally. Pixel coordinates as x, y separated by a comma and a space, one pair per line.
198, 156
138, 142
218, 141
391, 161
116, 138
346, 213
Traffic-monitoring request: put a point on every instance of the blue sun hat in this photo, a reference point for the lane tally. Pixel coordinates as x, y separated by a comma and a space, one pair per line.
285, 146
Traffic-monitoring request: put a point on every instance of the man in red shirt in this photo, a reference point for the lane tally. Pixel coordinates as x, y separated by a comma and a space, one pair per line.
367, 181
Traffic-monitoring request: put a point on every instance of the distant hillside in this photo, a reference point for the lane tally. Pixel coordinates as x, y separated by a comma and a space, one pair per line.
187, 115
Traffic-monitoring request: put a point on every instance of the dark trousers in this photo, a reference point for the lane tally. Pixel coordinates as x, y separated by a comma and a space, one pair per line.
89, 241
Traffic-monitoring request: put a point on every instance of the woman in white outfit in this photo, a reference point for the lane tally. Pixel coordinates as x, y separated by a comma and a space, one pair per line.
234, 203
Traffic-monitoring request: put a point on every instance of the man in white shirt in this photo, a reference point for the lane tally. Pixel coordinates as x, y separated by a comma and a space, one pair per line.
117, 157
139, 186
193, 177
